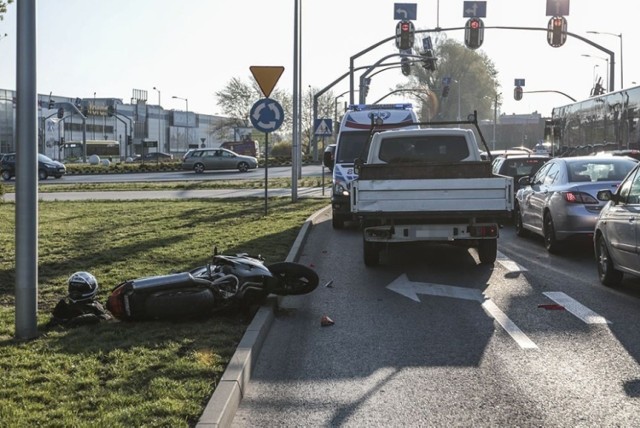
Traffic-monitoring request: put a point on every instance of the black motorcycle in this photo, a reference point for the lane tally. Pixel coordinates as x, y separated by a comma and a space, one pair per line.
228, 280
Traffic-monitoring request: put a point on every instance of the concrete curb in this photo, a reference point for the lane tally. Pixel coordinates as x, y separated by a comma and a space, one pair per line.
224, 402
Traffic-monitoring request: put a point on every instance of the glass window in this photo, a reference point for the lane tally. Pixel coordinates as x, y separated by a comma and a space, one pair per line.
542, 172
552, 174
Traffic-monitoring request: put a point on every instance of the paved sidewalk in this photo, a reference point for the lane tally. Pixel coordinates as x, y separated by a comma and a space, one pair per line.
303, 192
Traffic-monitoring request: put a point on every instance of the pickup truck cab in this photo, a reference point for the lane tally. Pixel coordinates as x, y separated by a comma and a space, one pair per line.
429, 184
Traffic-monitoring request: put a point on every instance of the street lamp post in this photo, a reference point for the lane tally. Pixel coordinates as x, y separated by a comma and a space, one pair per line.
159, 127
187, 103
604, 59
621, 66
94, 115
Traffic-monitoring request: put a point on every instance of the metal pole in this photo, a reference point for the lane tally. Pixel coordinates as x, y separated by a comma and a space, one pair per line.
26, 212
159, 127
296, 99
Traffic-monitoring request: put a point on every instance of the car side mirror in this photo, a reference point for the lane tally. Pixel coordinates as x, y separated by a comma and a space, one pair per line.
357, 165
524, 181
607, 195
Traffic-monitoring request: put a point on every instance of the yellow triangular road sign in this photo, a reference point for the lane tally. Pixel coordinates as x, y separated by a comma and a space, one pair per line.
267, 77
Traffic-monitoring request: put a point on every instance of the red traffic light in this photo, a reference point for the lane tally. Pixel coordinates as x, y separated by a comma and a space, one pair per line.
474, 33
474, 24
517, 93
404, 26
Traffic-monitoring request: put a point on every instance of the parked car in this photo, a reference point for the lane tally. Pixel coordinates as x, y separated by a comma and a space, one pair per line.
518, 166
200, 160
615, 239
559, 202
154, 157
329, 156
46, 167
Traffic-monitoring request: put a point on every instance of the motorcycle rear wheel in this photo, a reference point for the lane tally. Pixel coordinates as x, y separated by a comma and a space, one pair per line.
293, 279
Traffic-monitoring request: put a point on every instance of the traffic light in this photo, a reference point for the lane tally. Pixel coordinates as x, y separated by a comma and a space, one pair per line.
365, 85
129, 140
445, 91
517, 93
111, 111
429, 60
474, 33
557, 31
60, 113
405, 66
404, 35
52, 104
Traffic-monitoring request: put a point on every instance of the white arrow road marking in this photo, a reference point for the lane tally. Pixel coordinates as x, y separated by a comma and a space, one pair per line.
509, 264
521, 339
402, 285
577, 309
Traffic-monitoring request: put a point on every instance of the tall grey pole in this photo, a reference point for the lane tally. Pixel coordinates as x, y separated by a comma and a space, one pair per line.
26, 214
296, 98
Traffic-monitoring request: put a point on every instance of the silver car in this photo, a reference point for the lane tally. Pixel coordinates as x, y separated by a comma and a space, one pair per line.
617, 232
200, 160
559, 202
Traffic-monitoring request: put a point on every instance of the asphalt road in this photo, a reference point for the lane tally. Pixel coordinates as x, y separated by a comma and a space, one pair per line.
433, 338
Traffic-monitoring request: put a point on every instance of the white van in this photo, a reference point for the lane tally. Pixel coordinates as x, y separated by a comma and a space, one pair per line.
356, 127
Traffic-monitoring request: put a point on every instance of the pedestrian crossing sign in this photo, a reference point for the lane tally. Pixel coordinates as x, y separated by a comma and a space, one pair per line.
323, 127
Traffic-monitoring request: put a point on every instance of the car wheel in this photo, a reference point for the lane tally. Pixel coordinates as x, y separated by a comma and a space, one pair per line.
337, 221
198, 168
371, 253
609, 275
243, 167
517, 219
6, 175
487, 251
550, 242
42, 174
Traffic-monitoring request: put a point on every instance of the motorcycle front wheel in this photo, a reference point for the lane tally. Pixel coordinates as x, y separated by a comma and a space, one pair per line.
292, 279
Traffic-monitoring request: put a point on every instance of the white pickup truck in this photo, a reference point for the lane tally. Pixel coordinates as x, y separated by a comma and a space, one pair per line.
429, 184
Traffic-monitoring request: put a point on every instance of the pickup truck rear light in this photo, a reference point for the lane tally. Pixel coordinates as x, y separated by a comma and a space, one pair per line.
483, 231
579, 198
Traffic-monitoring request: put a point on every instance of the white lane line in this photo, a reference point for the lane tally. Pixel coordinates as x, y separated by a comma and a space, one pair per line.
577, 309
509, 264
521, 339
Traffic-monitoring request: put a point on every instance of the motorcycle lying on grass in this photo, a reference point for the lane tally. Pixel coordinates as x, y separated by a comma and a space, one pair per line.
228, 280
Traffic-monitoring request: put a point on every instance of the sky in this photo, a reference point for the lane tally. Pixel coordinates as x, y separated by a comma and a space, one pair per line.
192, 48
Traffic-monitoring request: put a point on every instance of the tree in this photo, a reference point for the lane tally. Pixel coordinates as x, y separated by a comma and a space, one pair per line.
237, 98
471, 72
3, 7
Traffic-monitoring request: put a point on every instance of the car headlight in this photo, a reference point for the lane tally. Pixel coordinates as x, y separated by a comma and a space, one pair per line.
341, 188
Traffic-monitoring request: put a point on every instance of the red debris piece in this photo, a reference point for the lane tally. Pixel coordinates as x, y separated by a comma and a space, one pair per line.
552, 307
326, 321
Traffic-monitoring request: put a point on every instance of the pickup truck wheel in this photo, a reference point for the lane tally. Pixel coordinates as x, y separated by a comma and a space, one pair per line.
517, 218
487, 251
550, 242
371, 253
337, 221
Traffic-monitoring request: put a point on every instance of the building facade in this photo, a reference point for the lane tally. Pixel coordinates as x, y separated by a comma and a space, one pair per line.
133, 125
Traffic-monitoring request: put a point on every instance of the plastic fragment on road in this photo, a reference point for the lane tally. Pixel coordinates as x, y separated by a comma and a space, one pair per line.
552, 307
326, 321
329, 284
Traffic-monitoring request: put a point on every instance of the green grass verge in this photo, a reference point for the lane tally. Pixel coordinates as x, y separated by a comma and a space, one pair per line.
120, 373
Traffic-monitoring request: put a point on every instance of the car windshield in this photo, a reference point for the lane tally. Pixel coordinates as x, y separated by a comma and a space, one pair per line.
43, 158
352, 145
599, 170
522, 167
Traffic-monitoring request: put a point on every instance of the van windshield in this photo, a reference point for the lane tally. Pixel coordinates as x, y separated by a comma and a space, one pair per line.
352, 145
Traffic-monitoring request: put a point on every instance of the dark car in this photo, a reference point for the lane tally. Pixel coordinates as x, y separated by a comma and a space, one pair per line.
328, 157
518, 165
560, 201
154, 157
616, 241
46, 167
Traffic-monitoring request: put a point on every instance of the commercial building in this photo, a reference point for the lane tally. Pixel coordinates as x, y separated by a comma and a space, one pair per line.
137, 126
